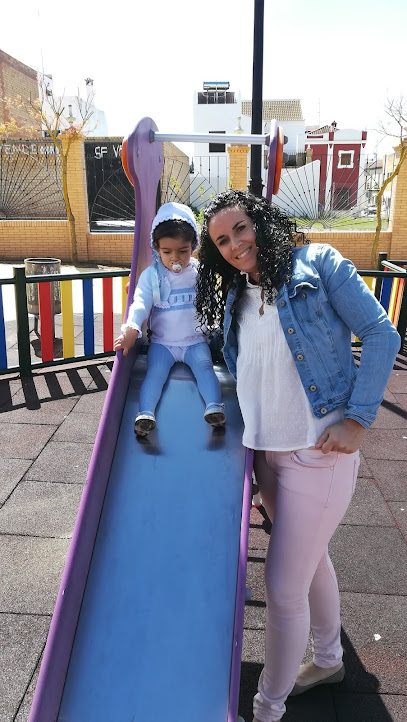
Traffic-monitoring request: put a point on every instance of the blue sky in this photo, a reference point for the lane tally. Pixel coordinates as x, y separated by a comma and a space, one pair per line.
341, 58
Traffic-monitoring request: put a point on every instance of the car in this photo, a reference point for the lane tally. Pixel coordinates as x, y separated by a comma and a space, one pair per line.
369, 211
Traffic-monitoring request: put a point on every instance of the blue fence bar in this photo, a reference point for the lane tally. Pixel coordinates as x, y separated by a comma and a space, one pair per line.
386, 291
88, 327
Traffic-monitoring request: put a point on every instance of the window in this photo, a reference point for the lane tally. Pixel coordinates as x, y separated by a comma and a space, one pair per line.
346, 158
217, 147
216, 97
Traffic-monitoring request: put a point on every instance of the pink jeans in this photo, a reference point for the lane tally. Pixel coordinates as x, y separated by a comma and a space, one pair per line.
306, 493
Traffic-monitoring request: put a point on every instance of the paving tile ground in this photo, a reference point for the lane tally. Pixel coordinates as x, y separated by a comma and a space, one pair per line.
47, 429
62, 461
22, 639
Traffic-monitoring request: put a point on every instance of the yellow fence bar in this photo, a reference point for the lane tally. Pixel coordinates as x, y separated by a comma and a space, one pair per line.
370, 282
393, 298
125, 280
68, 342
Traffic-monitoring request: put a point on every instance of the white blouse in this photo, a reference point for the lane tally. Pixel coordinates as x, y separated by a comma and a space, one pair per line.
276, 412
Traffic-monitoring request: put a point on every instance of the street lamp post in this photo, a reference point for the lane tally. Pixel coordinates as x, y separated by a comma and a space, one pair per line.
256, 184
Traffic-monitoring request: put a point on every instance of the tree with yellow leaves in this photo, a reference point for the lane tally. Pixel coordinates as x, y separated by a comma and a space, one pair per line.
395, 127
47, 114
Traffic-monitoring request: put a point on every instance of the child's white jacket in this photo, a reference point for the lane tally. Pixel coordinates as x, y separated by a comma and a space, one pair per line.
168, 299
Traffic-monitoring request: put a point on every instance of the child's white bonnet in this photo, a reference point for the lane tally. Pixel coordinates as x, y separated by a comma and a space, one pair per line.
172, 212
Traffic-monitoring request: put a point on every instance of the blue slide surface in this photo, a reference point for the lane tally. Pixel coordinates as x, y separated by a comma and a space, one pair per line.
155, 632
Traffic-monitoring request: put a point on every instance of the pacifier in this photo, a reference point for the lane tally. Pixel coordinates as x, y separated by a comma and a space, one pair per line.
176, 267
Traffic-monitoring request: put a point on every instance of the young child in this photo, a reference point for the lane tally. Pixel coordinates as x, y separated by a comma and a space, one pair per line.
165, 293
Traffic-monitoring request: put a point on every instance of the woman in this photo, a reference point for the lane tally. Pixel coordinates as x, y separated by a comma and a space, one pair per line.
287, 315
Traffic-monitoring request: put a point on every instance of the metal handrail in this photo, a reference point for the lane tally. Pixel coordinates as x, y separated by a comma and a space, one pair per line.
392, 265
67, 276
244, 139
383, 274
77, 276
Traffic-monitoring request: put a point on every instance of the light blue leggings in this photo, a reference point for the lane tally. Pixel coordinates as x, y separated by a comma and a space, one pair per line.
160, 361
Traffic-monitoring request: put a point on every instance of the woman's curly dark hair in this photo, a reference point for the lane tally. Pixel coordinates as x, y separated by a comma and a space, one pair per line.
275, 238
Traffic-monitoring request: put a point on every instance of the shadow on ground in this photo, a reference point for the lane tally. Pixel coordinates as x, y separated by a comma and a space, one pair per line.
356, 699
55, 391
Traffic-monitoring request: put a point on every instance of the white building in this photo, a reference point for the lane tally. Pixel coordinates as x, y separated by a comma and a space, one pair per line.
217, 109
75, 107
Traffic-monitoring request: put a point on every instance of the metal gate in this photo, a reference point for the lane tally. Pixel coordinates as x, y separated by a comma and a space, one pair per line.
30, 180
110, 195
189, 184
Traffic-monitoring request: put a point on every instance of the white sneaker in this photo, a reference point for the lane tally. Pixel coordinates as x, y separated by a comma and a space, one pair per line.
215, 414
313, 670
143, 424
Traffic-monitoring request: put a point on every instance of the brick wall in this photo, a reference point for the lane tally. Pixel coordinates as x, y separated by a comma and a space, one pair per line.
110, 248
16, 79
20, 239
355, 246
398, 212
238, 166
50, 239
24, 239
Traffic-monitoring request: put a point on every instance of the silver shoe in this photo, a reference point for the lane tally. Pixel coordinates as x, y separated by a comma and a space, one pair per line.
215, 414
144, 423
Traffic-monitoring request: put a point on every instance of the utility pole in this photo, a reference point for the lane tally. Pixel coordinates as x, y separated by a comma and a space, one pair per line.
256, 184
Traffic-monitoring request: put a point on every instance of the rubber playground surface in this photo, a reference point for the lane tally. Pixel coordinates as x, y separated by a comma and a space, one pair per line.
47, 429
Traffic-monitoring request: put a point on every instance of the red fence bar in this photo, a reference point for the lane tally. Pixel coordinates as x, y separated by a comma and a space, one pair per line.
46, 325
107, 314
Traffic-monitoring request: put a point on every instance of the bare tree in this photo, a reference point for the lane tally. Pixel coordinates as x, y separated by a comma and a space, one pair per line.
395, 126
49, 114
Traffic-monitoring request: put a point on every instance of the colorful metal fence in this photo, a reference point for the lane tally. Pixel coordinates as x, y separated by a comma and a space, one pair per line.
389, 287
71, 347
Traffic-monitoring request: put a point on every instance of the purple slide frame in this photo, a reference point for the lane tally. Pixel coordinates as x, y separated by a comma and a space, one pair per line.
240, 590
145, 161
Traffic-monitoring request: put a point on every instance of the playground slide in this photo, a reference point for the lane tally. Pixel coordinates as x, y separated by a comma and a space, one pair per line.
154, 638
148, 620
156, 629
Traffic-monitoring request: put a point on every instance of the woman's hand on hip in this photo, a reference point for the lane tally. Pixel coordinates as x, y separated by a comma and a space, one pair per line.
346, 436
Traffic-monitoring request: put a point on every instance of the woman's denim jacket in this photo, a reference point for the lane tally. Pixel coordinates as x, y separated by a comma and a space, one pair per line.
324, 302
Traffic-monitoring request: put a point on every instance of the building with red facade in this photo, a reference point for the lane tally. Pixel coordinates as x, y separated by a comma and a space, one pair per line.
342, 158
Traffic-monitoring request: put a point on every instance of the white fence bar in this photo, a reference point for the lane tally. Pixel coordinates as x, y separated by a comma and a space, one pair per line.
210, 138
394, 267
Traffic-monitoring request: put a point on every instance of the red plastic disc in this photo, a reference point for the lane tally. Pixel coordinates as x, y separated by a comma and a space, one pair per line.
272, 159
279, 160
124, 162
